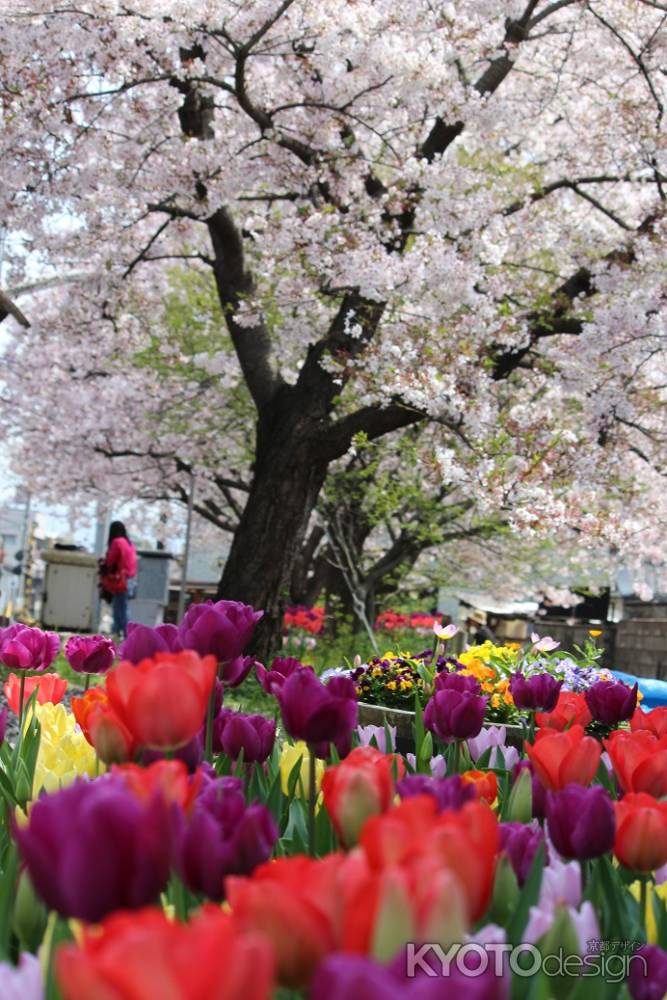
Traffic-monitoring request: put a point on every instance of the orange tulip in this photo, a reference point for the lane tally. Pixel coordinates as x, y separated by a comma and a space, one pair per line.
145, 956
639, 760
360, 787
641, 832
50, 688
485, 784
655, 721
169, 778
102, 727
296, 903
163, 700
571, 709
560, 759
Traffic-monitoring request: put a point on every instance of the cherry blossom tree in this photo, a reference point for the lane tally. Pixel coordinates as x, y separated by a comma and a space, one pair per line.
411, 211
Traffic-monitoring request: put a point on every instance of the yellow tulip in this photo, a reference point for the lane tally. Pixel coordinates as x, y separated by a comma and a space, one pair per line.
289, 756
64, 753
661, 892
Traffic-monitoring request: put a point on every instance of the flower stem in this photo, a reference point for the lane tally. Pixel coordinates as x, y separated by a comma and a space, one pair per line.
457, 756
210, 712
86, 683
643, 900
21, 696
312, 798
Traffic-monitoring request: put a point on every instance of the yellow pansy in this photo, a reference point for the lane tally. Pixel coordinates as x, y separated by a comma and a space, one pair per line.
391, 686
595, 632
64, 753
289, 756
661, 892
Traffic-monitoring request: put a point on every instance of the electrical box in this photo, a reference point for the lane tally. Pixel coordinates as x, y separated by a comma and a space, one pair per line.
152, 594
69, 597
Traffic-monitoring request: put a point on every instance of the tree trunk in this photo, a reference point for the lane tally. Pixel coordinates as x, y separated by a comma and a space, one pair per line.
288, 477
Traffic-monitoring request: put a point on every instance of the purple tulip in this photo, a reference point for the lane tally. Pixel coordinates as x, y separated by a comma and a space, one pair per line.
377, 733
493, 738
24, 648
341, 977
219, 723
520, 842
90, 654
235, 671
538, 789
95, 847
583, 922
281, 667
581, 821
457, 682
450, 793
223, 836
437, 765
538, 693
647, 979
223, 629
23, 981
143, 642
561, 883
252, 734
192, 754
611, 702
319, 713
452, 714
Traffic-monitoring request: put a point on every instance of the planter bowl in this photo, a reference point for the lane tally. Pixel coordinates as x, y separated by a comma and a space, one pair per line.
376, 715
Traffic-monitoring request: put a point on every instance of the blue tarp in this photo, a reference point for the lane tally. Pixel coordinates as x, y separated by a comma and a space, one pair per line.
654, 691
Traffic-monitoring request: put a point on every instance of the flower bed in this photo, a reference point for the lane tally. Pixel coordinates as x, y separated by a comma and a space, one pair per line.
128, 823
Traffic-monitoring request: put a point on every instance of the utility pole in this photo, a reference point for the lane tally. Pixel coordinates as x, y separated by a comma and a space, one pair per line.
186, 550
101, 531
25, 555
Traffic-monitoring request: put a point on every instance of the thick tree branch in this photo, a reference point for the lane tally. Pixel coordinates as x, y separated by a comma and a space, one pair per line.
443, 133
553, 321
251, 343
8, 308
374, 421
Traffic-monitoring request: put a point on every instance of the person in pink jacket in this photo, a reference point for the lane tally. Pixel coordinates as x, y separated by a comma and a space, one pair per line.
121, 560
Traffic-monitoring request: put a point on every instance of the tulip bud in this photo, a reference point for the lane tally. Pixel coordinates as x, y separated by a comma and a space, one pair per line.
520, 802
360, 787
560, 940
505, 893
30, 915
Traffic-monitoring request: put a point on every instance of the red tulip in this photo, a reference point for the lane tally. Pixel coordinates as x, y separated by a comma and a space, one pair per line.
655, 721
571, 709
640, 761
485, 784
50, 687
561, 759
295, 903
102, 727
169, 778
641, 832
145, 956
386, 909
163, 700
465, 842
360, 787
